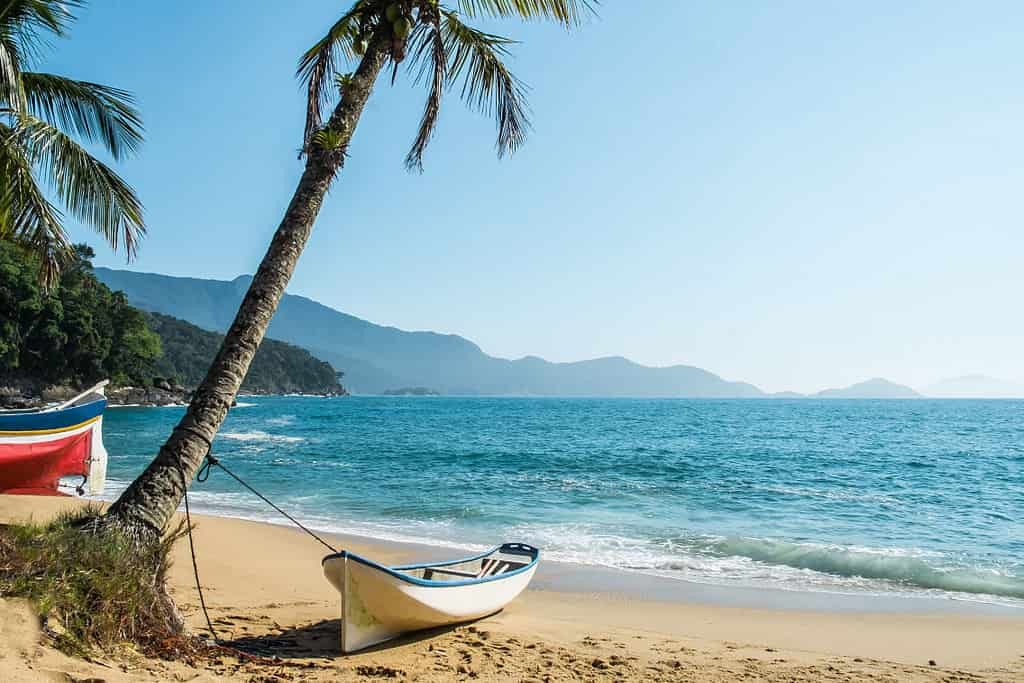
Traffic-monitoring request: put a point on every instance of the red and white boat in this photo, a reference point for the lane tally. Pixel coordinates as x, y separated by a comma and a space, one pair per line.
39, 447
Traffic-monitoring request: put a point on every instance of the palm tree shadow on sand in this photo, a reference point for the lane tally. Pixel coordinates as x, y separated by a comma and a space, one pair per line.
322, 639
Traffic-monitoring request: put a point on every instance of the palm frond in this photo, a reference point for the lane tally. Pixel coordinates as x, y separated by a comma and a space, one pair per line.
94, 112
24, 26
428, 50
475, 58
12, 94
90, 190
29, 218
323, 59
569, 13
29, 22
36, 15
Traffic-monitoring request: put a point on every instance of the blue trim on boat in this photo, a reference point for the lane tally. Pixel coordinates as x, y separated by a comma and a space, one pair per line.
53, 419
512, 548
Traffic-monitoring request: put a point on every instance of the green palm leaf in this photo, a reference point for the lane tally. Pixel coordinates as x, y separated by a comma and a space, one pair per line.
28, 217
90, 190
40, 115
475, 58
12, 95
429, 51
93, 112
566, 12
323, 59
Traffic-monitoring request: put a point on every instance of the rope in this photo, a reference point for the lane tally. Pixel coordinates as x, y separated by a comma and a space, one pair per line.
195, 565
201, 476
210, 461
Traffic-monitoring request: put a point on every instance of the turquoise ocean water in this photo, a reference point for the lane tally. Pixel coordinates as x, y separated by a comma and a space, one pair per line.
918, 498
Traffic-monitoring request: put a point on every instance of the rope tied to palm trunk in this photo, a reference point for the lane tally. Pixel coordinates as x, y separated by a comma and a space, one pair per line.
209, 462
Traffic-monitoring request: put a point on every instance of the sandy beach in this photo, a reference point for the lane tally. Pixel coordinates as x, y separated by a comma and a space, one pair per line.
267, 595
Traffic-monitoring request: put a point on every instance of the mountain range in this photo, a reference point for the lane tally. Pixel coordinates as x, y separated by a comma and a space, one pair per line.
378, 359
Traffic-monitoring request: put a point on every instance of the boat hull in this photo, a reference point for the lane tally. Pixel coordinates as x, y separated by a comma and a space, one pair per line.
38, 448
381, 603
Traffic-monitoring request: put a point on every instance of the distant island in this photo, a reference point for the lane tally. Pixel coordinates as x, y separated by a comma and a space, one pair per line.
411, 391
872, 388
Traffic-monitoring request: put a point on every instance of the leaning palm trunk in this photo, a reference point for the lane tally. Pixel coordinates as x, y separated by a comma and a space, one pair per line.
442, 51
145, 507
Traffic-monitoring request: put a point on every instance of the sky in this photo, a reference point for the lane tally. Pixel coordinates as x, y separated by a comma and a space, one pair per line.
794, 194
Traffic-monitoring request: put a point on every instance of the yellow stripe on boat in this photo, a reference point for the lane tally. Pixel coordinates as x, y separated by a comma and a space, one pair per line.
41, 432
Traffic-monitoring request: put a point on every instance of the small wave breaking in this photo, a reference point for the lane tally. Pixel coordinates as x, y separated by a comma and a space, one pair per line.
261, 436
897, 566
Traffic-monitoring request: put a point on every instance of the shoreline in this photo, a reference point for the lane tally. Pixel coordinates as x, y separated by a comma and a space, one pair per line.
560, 575
264, 586
571, 578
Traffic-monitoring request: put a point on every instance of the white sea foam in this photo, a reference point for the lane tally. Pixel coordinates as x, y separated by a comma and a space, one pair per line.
717, 560
243, 404
259, 435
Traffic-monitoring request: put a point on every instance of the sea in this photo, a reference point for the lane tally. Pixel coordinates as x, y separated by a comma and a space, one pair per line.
915, 498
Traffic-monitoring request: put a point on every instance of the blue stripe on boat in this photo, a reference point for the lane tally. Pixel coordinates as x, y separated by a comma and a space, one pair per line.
54, 419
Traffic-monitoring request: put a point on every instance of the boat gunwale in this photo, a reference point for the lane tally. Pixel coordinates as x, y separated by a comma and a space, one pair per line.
396, 571
51, 421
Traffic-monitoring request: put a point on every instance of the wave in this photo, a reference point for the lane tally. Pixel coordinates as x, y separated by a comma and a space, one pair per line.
702, 559
904, 567
261, 436
242, 404
773, 564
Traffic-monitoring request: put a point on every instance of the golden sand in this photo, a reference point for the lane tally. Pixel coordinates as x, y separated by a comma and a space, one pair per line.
266, 592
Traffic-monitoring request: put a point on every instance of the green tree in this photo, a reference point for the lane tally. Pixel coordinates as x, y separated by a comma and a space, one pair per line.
134, 346
44, 121
77, 332
444, 53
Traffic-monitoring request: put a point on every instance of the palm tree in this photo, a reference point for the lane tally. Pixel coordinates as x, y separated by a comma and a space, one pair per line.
441, 51
44, 118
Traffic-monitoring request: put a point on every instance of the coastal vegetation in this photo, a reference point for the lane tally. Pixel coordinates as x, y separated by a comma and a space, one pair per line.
45, 121
85, 592
79, 331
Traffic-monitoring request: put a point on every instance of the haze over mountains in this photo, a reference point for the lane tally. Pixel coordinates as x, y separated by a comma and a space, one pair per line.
376, 358
975, 386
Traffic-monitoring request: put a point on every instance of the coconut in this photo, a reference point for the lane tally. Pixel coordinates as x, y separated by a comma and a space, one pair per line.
393, 12
359, 46
402, 28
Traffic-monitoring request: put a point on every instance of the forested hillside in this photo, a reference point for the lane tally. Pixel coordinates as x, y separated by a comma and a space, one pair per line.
81, 331
77, 333
278, 368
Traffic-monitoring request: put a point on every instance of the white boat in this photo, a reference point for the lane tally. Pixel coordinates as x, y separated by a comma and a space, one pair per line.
379, 603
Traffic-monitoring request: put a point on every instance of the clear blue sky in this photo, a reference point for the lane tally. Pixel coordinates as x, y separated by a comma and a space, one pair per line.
796, 194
